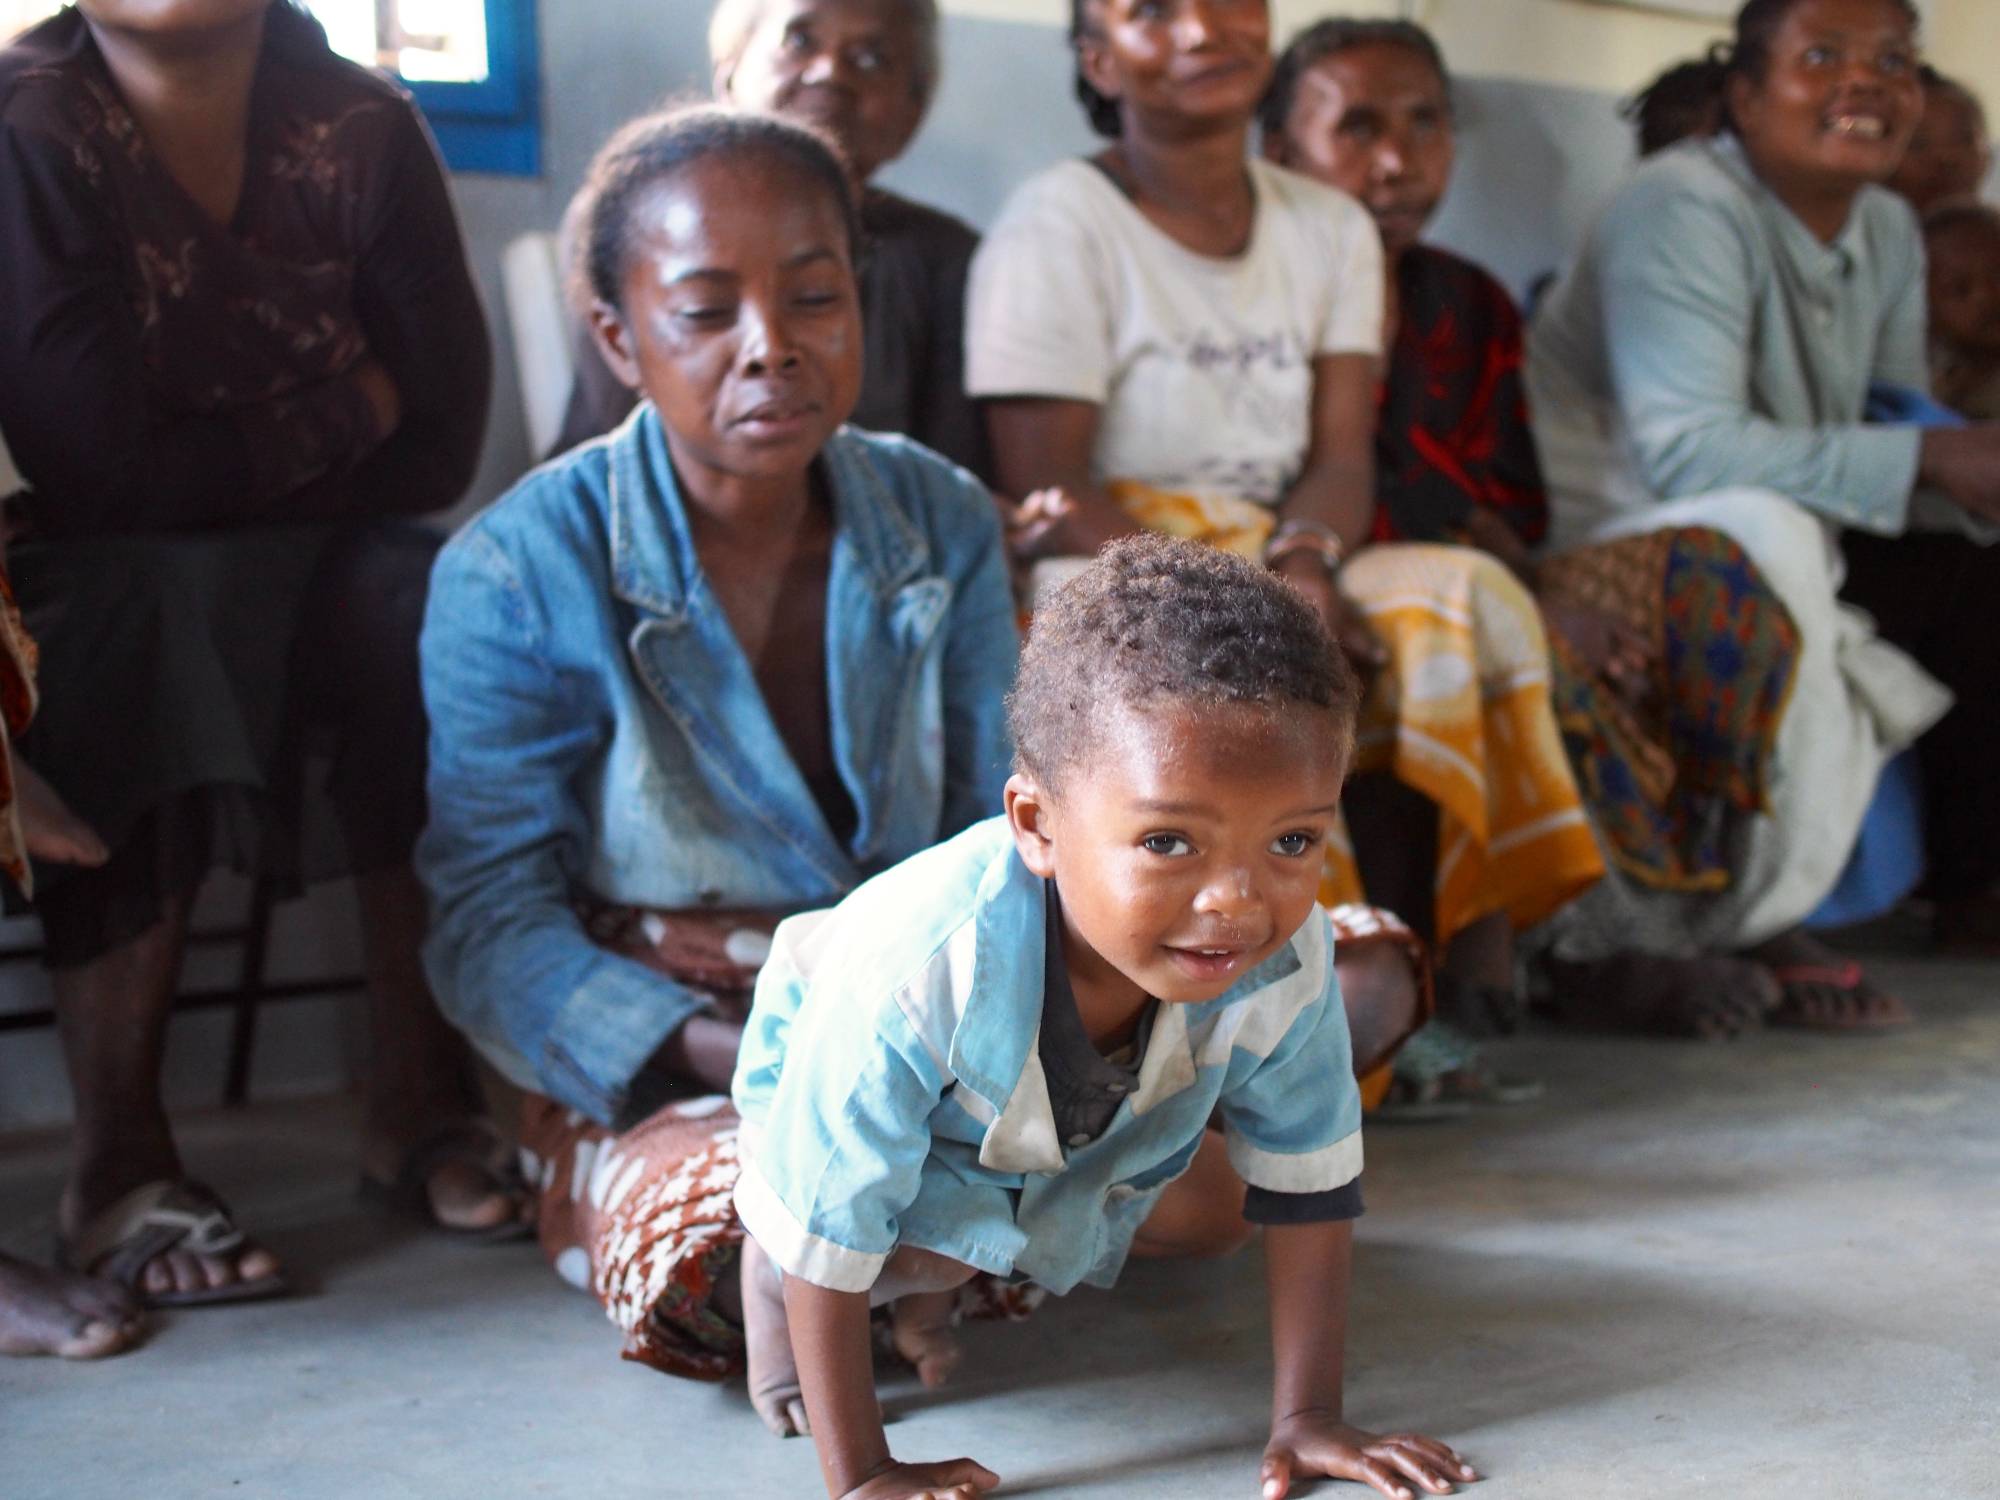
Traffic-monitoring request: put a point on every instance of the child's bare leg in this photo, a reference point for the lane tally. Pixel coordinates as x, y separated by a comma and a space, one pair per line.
1379, 989
767, 1341
924, 1286
56, 1312
920, 1283
1200, 1213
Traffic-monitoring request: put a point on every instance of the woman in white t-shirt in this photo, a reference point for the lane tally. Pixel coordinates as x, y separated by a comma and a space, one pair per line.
1170, 334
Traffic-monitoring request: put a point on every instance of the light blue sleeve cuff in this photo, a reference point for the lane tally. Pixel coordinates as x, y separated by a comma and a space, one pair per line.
613, 1023
1884, 462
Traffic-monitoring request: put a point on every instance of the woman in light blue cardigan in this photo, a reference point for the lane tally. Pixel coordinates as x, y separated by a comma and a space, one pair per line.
1708, 361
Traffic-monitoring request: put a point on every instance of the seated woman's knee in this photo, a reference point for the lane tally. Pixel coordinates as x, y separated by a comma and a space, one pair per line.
1383, 1003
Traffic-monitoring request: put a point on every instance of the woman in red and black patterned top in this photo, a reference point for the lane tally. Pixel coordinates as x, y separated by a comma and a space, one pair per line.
239, 345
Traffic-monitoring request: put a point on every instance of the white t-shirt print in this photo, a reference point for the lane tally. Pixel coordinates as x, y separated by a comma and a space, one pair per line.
1203, 366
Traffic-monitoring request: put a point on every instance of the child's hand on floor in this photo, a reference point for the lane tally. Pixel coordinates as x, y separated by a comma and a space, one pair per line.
1313, 1444
957, 1479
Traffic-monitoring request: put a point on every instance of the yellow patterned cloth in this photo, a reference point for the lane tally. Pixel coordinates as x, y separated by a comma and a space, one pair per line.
1224, 521
1462, 714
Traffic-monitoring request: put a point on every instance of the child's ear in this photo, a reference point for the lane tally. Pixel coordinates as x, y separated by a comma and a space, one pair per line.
614, 342
1028, 817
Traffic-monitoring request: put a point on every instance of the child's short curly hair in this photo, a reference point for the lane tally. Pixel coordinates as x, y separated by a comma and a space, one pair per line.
1158, 620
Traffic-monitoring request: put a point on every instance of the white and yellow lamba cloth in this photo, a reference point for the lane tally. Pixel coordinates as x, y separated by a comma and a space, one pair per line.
892, 1095
1461, 713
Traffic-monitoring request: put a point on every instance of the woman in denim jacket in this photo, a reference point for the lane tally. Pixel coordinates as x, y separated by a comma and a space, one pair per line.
715, 668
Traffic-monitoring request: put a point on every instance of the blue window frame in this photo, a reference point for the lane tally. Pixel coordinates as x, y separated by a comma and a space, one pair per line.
495, 124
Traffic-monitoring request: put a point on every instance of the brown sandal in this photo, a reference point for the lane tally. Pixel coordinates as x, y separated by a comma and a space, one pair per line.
170, 1214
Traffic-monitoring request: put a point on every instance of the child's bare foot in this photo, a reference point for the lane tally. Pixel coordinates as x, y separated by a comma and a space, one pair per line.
51, 831
1709, 999
767, 1339
57, 1312
920, 1325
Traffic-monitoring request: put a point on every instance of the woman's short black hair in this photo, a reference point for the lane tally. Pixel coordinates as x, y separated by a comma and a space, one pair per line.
1685, 100
1757, 23
1957, 214
656, 147
1157, 620
1100, 109
1330, 38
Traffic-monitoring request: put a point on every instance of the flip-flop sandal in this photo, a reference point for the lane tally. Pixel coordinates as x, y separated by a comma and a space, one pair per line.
1439, 1076
1846, 976
469, 1141
1409, 1103
170, 1214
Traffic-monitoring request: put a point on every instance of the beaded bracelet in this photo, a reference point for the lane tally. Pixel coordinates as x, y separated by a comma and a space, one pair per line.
1306, 536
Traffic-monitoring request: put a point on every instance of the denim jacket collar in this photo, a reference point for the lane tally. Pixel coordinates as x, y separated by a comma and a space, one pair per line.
883, 608
653, 562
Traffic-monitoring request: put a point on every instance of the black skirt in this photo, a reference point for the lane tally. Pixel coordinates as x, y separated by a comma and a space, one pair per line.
207, 699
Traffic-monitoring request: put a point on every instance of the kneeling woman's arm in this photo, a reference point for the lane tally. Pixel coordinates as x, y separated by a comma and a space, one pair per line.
513, 734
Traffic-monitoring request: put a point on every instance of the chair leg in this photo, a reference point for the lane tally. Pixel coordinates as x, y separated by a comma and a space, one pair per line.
249, 992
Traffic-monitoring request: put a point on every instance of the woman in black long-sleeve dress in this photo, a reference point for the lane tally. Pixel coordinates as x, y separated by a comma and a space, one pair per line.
239, 347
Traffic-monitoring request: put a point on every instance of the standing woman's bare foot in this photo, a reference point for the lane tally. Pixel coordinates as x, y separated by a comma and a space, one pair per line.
49, 829
59, 1313
767, 1340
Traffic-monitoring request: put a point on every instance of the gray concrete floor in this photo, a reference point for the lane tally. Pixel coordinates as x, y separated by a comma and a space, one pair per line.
1766, 1268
